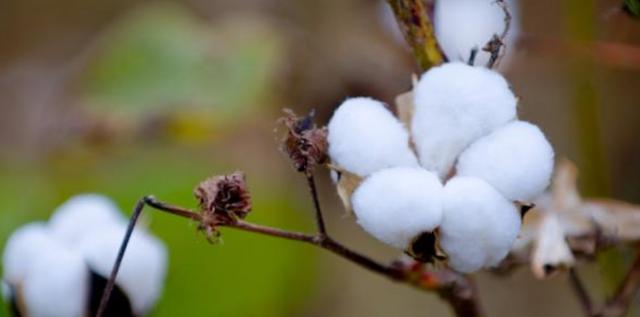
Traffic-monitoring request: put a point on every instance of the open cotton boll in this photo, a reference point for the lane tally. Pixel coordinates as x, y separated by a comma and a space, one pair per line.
516, 159
398, 204
23, 248
143, 268
81, 215
462, 25
454, 105
365, 137
479, 226
56, 284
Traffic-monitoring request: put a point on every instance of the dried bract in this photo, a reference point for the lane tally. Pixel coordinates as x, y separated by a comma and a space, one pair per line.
305, 143
223, 198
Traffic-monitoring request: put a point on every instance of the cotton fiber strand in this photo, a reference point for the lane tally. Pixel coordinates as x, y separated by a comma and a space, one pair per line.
398, 204
454, 105
365, 137
479, 226
516, 159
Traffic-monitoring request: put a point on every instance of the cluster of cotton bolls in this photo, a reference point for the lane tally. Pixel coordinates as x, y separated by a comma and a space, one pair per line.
60, 268
457, 171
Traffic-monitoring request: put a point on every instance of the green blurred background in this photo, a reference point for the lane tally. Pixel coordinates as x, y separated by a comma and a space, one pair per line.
128, 98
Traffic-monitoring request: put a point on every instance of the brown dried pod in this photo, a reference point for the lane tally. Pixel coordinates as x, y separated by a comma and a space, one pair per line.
223, 198
304, 143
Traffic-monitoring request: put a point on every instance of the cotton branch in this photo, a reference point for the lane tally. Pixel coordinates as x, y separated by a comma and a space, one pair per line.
451, 286
414, 21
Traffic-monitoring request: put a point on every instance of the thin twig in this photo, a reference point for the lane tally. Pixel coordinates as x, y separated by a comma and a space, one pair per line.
414, 21
322, 230
581, 292
620, 302
106, 294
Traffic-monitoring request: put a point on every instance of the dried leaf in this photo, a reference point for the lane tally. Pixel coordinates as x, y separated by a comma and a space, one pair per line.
551, 252
405, 108
346, 185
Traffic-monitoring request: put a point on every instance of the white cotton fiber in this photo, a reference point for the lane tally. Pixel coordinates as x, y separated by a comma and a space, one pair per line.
462, 25
454, 105
398, 204
143, 269
81, 215
365, 137
56, 284
23, 248
516, 159
479, 226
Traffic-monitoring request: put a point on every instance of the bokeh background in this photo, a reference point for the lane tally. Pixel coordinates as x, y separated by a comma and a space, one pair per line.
128, 98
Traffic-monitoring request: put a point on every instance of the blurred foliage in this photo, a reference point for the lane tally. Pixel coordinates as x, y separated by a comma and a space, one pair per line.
162, 55
632, 7
245, 275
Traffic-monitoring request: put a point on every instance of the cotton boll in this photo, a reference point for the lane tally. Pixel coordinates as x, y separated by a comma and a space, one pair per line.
478, 227
454, 105
81, 215
56, 284
365, 137
516, 159
143, 268
398, 204
462, 25
23, 248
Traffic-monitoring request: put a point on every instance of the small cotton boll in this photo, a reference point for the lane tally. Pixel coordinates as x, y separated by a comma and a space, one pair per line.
143, 269
454, 105
23, 248
365, 137
462, 25
516, 159
396, 205
81, 215
479, 226
56, 284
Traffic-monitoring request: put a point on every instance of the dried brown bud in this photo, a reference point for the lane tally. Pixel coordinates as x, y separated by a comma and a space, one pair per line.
305, 143
223, 198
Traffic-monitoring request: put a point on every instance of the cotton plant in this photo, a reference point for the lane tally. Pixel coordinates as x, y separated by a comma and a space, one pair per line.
60, 268
455, 173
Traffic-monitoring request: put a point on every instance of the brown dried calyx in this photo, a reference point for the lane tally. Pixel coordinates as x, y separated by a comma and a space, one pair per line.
223, 198
305, 143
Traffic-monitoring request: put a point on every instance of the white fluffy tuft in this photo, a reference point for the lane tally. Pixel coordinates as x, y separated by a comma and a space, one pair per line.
143, 269
462, 25
56, 284
23, 248
456, 104
396, 205
516, 159
81, 215
479, 226
365, 137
